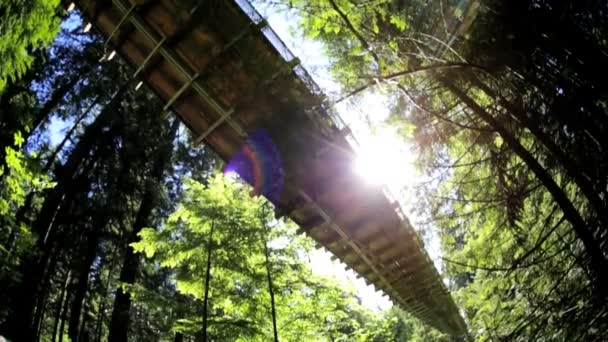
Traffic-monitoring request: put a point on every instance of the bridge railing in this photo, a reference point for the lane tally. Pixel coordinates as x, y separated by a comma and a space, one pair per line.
323, 108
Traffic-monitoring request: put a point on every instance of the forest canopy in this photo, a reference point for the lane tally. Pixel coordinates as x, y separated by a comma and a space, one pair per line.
116, 226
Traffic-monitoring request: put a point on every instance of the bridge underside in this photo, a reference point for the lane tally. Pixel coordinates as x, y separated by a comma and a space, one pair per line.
227, 76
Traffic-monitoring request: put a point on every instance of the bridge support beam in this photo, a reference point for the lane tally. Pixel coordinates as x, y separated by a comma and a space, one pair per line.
387, 287
179, 65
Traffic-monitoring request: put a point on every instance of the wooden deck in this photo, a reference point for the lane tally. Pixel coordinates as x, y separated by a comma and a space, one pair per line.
221, 69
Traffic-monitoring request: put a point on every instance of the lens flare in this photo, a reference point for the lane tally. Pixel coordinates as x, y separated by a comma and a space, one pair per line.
258, 162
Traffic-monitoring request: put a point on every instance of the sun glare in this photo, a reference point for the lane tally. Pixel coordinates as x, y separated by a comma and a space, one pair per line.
385, 159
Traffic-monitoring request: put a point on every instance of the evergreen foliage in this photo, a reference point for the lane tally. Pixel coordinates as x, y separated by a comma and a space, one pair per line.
24, 27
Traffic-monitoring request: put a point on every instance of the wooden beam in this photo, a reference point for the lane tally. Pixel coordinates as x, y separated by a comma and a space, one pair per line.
312, 222
353, 245
177, 63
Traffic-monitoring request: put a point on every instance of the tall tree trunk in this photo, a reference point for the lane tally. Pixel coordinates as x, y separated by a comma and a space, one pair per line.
64, 315
83, 333
82, 283
44, 222
40, 303
270, 289
179, 337
570, 166
207, 281
102, 309
40, 312
597, 261
21, 216
58, 95
119, 323
44, 112
60, 305
57, 199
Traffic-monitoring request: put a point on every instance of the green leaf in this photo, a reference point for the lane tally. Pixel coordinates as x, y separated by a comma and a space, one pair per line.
399, 22
19, 140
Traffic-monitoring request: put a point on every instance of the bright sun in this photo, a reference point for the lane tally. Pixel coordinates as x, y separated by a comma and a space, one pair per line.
385, 159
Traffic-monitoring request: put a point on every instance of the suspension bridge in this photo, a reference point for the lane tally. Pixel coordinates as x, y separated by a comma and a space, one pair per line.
224, 72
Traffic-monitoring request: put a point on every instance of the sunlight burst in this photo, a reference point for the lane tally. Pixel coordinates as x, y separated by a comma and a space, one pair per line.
385, 159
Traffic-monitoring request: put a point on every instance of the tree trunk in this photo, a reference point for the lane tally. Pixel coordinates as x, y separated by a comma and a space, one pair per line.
58, 95
179, 337
20, 217
40, 312
60, 305
119, 323
64, 315
569, 165
102, 309
207, 280
82, 283
23, 314
270, 290
83, 333
44, 223
597, 262
40, 302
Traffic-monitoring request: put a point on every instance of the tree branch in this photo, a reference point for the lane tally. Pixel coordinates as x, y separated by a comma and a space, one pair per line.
354, 31
403, 73
437, 115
